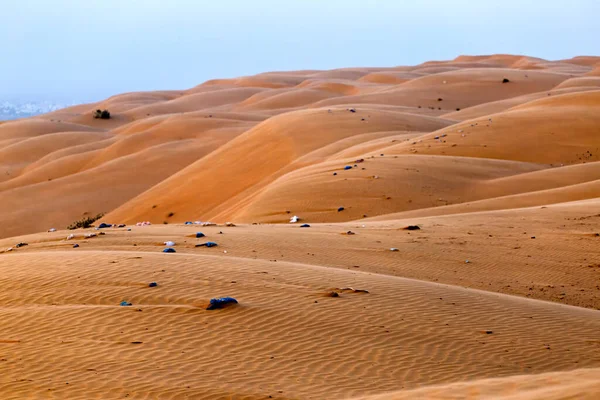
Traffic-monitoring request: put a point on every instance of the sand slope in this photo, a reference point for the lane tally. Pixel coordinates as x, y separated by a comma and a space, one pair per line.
238, 148
65, 335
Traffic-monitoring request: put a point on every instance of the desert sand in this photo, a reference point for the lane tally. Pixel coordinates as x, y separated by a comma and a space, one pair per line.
496, 295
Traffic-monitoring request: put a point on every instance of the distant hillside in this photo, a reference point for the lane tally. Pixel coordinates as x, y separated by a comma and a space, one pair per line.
23, 109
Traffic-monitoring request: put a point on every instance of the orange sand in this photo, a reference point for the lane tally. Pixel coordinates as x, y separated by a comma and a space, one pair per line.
495, 297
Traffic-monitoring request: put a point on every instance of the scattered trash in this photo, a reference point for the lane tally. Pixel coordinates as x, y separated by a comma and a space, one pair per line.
394, 249
104, 225
200, 234
294, 219
125, 304
152, 284
347, 167
221, 302
90, 235
229, 224
533, 237
75, 246
207, 244
169, 243
169, 250
189, 223
121, 226
71, 236
352, 110
467, 261
305, 226
341, 209
144, 223
505, 80
21, 244
412, 228
350, 233
52, 230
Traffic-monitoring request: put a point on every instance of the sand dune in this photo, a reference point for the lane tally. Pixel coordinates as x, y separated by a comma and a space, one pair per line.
578, 384
492, 161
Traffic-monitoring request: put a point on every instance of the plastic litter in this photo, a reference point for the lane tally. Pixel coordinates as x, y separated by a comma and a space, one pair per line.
341, 209
294, 219
169, 250
347, 167
169, 243
394, 249
125, 304
207, 244
152, 284
221, 302
305, 226
75, 246
104, 225
200, 234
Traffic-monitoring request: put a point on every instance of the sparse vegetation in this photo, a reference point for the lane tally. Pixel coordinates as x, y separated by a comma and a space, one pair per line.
102, 114
85, 222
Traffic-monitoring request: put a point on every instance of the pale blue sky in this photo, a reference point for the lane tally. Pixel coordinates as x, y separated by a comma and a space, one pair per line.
86, 50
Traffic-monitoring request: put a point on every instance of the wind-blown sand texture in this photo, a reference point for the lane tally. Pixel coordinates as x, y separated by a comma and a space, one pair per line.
496, 296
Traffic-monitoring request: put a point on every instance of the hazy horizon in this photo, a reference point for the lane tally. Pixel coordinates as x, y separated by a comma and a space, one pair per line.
68, 50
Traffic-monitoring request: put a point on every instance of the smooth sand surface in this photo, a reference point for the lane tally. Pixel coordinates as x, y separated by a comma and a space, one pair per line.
495, 296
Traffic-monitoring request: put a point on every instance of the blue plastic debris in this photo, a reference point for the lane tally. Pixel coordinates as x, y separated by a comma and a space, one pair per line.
104, 225
340, 209
75, 246
305, 226
125, 304
347, 167
199, 234
220, 302
152, 284
188, 222
207, 244
169, 250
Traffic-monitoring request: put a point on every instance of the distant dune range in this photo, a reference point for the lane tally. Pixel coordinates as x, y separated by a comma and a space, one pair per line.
497, 296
